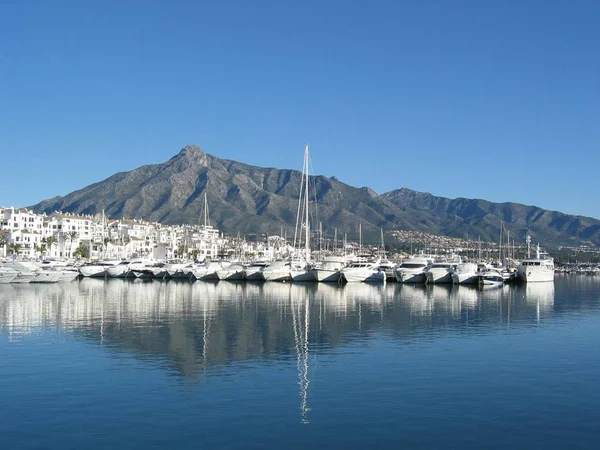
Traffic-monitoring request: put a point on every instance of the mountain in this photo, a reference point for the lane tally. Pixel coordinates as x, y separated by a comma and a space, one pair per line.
253, 199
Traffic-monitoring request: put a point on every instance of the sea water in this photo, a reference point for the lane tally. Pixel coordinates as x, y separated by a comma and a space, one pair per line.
129, 364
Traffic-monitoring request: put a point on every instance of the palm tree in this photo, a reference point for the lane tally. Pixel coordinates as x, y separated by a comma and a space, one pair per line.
81, 252
105, 242
50, 241
14, 248
72, 235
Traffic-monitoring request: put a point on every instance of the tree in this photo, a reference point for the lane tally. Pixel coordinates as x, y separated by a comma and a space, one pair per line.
72, 235
50, 241
14, 248
105, 242
81, 252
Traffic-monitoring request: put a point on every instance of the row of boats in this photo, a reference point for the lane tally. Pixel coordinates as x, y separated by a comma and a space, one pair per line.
332, 269
36, 272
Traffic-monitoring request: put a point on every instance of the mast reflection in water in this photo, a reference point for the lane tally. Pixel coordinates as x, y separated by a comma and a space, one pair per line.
367, 360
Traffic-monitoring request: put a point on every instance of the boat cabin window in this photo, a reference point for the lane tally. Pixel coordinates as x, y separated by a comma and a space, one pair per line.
412, 265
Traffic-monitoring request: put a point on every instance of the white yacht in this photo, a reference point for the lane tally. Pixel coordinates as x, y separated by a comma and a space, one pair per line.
7, 274
178, 269
208, 272
67, 274
300, 270
413, 270
363, 271
96, 269
147, 268
540, 268
120, 270
277, 271
233, 272
389, 268
490, 276
465, 273
441, 271
65, 269
29, 272
329, 270
254, 271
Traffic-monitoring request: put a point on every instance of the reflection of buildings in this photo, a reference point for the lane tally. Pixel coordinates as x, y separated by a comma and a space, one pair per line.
199, 327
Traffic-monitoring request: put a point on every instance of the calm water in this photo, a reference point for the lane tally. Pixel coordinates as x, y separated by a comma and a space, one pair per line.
94, 364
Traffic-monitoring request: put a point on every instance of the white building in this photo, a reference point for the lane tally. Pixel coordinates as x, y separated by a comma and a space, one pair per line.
59, 234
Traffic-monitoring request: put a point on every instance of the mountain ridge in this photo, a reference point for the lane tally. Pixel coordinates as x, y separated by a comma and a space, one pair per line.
252, 199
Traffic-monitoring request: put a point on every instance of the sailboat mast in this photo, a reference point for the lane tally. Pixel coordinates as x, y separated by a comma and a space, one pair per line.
306, 225
335, 240
500, 245
359, 238
206, 216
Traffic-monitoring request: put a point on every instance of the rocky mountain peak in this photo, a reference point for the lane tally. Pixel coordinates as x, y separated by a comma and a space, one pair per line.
193, 153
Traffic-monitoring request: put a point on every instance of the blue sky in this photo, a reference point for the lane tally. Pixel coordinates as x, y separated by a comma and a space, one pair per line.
481, 99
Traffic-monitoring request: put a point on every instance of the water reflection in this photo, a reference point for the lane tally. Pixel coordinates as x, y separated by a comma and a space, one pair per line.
198, 327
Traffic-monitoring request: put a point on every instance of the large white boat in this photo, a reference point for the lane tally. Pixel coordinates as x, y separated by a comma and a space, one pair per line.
254, 272
147, 268
540, 268
490, 276
29, 272
363, 271
301, 271
96, 269
65, 269
178, 269
465, 273
277, 271
413, 270
208, 272
120, 270
233, 272
7, 274
329, 270
441, 271
389, 268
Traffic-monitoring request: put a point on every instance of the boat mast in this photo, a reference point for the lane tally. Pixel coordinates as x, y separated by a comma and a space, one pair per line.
359, 238
335, 240
206, 215
500, 245
306, 225
320, 238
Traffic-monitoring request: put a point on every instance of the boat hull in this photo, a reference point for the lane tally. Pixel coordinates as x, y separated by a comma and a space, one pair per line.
528, 275
352, 276
410, 277
327, 276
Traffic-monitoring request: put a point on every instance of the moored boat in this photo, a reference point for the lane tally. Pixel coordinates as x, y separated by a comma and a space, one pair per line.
413, 270
363, 272
329, 270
